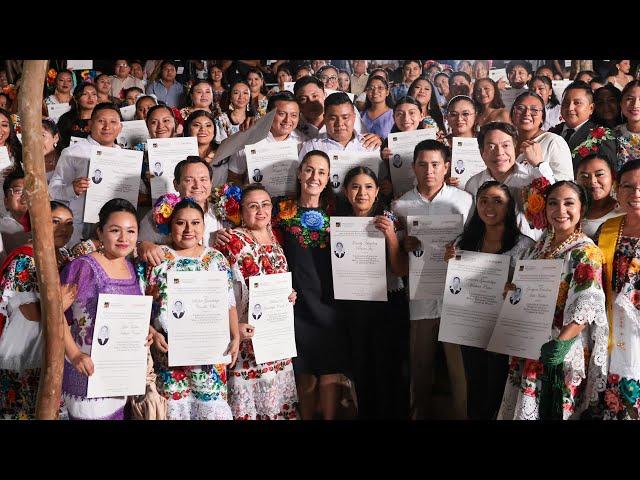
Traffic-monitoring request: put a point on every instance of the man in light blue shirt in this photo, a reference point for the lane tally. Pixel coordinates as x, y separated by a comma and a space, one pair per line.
166, 89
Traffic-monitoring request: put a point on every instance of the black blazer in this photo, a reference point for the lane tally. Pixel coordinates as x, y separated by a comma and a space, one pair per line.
606, 148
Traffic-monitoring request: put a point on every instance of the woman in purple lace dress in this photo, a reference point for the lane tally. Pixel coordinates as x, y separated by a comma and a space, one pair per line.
107, 270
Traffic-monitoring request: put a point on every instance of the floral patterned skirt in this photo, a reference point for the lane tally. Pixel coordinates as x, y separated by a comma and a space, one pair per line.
524, 385
621, 398
193, 392
18, 393
262, 392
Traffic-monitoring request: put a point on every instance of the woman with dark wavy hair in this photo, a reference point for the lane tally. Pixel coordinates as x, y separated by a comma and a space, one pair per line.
492, 229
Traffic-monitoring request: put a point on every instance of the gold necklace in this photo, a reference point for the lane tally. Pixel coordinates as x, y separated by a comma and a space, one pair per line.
570, 239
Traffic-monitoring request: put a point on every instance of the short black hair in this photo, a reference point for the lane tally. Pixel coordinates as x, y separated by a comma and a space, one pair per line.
191, 159
579, 85
115, 205
336, 98
465, 75
304, 81
105, 106
502, 126
16, 174
284, 96
519, 63
630, 166
431, 146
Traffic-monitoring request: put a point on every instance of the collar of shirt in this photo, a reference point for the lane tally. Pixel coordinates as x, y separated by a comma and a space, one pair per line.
565, 128
518, 172
442, 194
91, 140
354, 144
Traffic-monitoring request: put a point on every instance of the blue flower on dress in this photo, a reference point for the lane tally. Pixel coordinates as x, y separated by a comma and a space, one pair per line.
312, 220
235, 192
22, 264
630, 390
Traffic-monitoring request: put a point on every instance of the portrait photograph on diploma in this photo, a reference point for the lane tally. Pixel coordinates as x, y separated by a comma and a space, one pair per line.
342, 162
427, 268
472, 297
199, 321
271, 314
359, 259
119, 351
114, 173
274, 165
164, 155
526, 316
465, 159
402, 145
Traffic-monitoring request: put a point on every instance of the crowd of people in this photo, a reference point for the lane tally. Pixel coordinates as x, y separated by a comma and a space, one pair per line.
579, 150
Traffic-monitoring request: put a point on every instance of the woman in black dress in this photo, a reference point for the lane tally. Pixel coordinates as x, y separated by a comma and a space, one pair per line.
321, 338
378, 332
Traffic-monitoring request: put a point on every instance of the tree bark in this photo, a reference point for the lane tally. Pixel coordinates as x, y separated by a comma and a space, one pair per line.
30, 101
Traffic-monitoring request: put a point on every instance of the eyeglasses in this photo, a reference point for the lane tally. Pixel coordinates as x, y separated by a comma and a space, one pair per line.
254, 207
522, 109
332, 77
122, 64
16, 192
464, 114
628, 188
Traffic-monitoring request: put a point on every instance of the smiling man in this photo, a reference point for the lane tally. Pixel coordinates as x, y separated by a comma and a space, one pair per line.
123, 79
283, 129
497, 142
576, 109
69, 182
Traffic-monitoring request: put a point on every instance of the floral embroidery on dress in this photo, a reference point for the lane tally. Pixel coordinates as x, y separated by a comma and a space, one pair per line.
592, 143
265, 391
309, 225
627, 145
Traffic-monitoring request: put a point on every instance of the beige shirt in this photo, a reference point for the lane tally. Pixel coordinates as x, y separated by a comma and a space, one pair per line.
118, 85
358, 84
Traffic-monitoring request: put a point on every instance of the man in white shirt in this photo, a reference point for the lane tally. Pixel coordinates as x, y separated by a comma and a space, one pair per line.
70, 179
497, 141
339, 119
431, 197
310, 95
123, 79
359, 77
283, 129
192, 178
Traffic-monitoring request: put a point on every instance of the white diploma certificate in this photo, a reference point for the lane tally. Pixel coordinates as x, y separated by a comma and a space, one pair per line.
509, 96
289, 86
113, 173
164, 155
466, 160
271, 314
128, 113
56, 110
132, 133
559, 86
427, 268
198, 313
497, 73
80, 64
118, 350
402, 145
472, 297
358, 259
74, 140
342, 162
274, 164
526, 317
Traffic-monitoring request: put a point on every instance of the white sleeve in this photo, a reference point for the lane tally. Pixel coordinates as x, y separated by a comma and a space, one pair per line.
238, 162
558, 156
306, 147
147, 231
61, 183
543, 170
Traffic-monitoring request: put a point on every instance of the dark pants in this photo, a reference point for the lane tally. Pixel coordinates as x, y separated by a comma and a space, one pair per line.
486, 378
379, 353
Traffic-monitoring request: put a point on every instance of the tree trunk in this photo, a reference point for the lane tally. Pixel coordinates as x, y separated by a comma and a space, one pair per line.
30, 101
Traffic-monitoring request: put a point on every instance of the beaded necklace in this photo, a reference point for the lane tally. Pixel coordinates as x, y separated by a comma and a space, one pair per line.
546, 254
